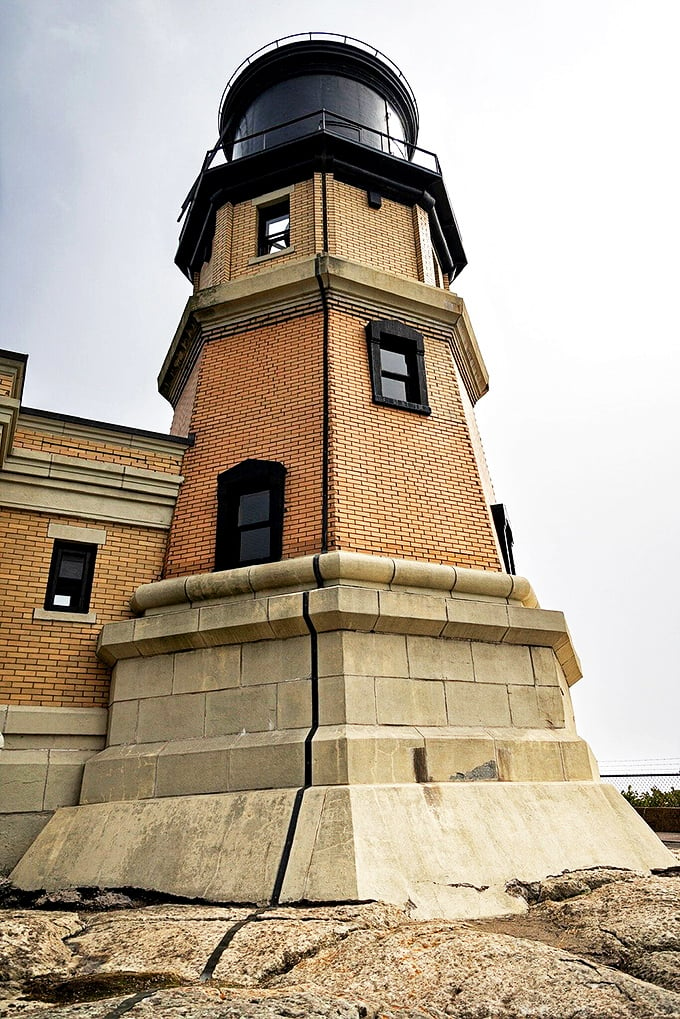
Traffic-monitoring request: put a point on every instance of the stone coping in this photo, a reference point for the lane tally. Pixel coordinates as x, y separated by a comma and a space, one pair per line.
349, 568
344, 591
32, 719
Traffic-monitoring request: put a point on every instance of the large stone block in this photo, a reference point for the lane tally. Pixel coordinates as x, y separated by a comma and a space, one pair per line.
551, 707
142, 677
294, 704
362, 654
498, 663
268, 760
402, 612
181, 716
347, 699
121, 773
64, 777
457, 758
285, 615
215, 668
477, 704
17, 832
431, 658
409, 702
529, 761
170, 631
275, 661
194, 766
123, 722
343, 608
164, 844
234, 622
524, 708
475, 620
252, 709
23, 774
577, 761
447, 848
545, 666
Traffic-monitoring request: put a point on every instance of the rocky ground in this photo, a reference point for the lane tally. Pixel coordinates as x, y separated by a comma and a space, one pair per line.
598, 944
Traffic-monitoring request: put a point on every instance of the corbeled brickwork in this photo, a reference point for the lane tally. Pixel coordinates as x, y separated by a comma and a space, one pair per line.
52, 662
181, 419
402, 483
259, 396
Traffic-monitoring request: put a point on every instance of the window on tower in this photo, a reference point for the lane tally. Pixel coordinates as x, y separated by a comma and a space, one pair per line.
70, 579
273, 227
396, 355
250, 514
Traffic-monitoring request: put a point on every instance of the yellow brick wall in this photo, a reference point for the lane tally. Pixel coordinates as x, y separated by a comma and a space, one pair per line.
383, 238
259, 396
401, 483
67, 444
53, 663
181, 419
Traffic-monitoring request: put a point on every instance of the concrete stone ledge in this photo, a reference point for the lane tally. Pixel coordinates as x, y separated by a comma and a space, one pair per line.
33, 720
349, 568
362, 593
448, 850
209, 764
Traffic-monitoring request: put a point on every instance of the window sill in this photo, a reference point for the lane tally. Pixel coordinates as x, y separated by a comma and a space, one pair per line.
256, 259
54, 616
414, 408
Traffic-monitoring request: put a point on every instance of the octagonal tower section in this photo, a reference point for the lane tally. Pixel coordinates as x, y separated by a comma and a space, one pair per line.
340, 691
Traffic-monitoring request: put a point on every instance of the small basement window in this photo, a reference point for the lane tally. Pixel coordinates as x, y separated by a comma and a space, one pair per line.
250, 514
69, 585
273, 227
397, 361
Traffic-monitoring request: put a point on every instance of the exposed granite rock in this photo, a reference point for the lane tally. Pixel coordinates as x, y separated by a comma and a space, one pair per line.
597, 945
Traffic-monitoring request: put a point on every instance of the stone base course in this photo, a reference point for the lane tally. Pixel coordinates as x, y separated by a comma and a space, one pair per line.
443, 850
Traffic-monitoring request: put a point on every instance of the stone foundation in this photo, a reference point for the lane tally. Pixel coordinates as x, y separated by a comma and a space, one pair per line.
359, 706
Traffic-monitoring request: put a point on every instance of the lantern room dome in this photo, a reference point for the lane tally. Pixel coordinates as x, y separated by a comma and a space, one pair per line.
276, 93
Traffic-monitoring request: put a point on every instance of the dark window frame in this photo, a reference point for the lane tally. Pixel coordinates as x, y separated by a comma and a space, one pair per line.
392, 336
504, 535
247, 478
79, 589
265, 214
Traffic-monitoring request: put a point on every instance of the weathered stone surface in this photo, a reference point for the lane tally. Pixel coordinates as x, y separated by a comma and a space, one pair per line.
627, 921
32, 943
596, 944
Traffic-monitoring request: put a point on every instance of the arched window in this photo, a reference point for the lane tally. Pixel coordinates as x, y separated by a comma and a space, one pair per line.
249, 514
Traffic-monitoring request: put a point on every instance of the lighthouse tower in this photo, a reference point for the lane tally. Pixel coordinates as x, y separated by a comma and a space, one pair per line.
340, 690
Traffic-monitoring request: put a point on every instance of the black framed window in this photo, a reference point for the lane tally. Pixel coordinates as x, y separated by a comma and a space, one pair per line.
396, 356
504, 535
250, 511
69, 585
273, 227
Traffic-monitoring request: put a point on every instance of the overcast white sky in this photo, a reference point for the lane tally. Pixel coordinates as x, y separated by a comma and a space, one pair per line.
557, 127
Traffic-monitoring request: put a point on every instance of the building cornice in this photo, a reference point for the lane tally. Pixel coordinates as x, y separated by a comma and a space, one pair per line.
88, 430
285, 287
87, 489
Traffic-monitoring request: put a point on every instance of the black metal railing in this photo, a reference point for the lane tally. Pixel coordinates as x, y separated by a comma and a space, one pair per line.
324, 121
